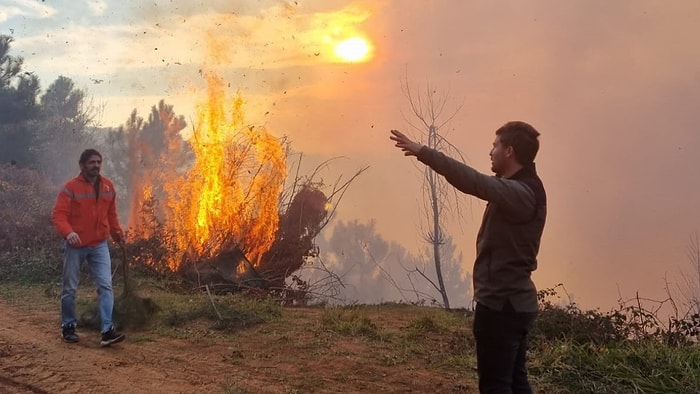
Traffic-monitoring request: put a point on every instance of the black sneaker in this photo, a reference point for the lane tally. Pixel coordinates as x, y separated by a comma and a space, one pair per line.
69, 334
110, 337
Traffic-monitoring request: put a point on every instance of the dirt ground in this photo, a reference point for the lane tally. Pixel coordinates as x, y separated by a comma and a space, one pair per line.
268, 358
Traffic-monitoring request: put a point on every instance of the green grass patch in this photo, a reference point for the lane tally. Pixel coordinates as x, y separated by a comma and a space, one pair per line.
352, 321
627, 367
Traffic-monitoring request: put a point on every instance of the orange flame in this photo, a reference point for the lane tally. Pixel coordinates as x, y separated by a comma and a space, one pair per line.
229, 197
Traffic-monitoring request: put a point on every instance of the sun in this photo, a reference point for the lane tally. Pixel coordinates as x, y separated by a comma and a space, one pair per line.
353, 50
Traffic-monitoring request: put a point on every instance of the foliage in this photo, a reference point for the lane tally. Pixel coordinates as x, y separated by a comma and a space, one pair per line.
18, 103
47, 133
29, 247
62, 130
142, 153
571, 323
629, 322
28, 266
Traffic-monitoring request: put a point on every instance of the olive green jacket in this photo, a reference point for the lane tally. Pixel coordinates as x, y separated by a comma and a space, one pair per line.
510, 233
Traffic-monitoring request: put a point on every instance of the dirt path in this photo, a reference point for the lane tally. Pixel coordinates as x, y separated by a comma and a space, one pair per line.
266, 359
33, 359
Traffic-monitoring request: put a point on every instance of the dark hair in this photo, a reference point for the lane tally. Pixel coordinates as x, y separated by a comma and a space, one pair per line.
87, 154
523, 138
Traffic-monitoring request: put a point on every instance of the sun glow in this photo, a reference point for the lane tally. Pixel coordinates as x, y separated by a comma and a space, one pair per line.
353, 50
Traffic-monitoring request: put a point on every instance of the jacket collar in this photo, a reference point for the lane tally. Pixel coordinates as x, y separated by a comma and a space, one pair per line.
526, 171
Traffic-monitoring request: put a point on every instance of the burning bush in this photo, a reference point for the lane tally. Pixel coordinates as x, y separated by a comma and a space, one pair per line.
218, 217
230, 269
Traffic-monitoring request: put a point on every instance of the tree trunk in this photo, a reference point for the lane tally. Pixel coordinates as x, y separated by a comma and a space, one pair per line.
436, 239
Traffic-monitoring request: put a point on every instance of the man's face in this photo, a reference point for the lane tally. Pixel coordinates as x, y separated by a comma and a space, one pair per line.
91, 167
498, 156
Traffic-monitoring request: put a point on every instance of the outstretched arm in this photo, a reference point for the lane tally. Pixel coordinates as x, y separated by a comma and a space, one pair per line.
512, 195
410, 148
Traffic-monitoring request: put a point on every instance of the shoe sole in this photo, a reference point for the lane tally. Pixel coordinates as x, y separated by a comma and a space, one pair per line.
112, 341
69, 340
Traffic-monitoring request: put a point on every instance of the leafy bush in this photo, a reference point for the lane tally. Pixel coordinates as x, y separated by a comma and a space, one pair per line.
634, 323
571, 323
27, 266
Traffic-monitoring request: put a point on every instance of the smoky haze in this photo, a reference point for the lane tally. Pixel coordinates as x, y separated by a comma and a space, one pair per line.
614, 95
612, 87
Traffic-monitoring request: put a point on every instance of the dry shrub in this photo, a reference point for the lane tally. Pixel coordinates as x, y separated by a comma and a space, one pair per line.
294, 243
26, 200
29, 247
634, 322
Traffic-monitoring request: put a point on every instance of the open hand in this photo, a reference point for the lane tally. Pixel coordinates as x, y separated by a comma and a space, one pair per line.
409, 147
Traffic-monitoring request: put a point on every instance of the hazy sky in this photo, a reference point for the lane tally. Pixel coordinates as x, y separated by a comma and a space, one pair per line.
614, 88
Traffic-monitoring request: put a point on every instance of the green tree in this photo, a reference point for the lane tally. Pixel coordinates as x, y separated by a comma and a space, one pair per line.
142, 153
64, 129
113, 146
18, 103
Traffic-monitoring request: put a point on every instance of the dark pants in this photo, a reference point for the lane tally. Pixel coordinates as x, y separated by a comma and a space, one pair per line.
501, 346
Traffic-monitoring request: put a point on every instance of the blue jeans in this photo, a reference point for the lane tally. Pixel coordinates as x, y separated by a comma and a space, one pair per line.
501, 347
101, 270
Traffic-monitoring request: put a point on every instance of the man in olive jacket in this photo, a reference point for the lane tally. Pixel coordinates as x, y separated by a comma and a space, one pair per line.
506, 249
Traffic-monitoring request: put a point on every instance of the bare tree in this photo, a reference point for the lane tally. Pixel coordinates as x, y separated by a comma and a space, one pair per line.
428, 110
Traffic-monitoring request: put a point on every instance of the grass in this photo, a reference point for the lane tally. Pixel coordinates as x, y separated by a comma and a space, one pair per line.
384, 337
627, 367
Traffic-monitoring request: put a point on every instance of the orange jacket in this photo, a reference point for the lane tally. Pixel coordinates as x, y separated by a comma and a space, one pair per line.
78, 209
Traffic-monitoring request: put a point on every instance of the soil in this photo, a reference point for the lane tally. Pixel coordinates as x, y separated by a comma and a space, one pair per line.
267, 358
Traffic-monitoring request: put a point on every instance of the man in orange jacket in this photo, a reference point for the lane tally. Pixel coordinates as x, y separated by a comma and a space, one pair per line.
85, 215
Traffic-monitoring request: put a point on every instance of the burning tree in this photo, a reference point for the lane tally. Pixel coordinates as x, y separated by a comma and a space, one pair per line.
221, 215
299, 225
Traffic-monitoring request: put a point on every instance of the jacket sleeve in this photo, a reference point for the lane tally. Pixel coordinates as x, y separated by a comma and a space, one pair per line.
513, 196
61, 212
